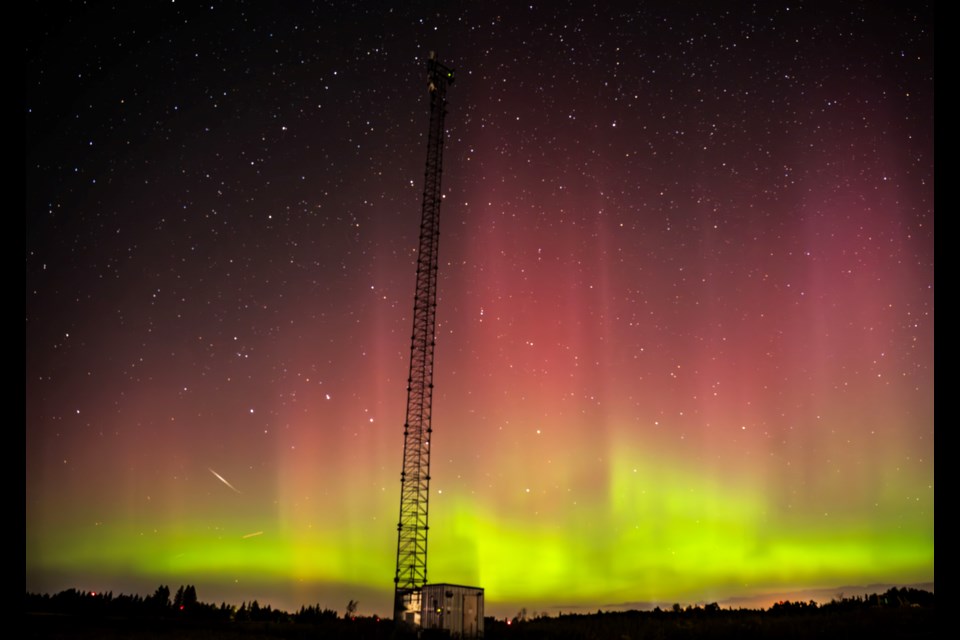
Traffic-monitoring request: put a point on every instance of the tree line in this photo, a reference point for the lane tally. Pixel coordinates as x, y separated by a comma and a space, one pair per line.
184, 604
896, 613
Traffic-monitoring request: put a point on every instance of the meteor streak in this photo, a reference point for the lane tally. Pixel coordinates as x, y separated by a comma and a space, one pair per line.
223, 480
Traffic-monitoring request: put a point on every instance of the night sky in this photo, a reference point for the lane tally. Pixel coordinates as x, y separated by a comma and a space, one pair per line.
686, 298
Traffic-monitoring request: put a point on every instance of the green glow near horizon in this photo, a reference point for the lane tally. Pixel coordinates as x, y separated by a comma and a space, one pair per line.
668, 537
656, 535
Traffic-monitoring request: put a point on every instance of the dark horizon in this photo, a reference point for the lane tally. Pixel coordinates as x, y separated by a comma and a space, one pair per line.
166, 598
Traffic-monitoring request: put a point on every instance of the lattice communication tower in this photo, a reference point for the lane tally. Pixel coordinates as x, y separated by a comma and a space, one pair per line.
412, 528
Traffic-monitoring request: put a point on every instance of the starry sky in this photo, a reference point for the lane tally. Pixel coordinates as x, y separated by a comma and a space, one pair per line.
686, 298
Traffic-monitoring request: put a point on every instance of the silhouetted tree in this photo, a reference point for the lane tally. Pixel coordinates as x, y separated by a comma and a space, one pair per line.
189, 597
314, 615
243, 614
160, 600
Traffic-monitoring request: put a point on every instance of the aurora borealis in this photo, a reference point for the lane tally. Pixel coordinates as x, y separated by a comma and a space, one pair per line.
686, 298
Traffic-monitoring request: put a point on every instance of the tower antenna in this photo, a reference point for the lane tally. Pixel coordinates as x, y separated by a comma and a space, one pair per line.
412, 528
